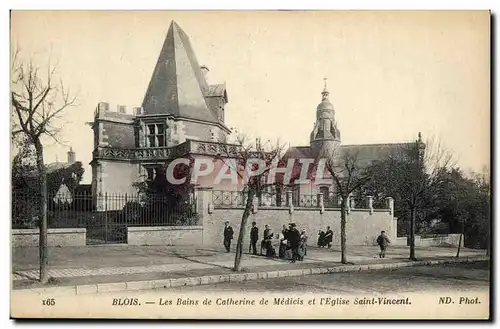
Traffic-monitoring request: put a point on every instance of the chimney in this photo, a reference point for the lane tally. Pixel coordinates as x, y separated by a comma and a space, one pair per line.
103, 106
122, 109
205, 70
138, 110
71, 156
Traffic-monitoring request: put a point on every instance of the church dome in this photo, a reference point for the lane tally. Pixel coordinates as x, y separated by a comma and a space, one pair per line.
325, 105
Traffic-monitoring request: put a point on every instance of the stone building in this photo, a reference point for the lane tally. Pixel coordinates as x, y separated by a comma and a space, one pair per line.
181, 116
325, 142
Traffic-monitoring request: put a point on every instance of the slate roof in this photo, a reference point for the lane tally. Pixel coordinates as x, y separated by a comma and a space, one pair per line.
365, 154
298, 152
178, 86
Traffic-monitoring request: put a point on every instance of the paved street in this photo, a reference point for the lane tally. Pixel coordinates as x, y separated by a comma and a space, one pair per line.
114, 264
449, 277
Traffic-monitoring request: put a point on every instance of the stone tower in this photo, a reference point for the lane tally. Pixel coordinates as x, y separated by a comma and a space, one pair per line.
325, 137
71, 156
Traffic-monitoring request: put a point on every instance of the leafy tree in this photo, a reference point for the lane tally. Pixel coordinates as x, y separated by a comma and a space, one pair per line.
159, 198
464, 204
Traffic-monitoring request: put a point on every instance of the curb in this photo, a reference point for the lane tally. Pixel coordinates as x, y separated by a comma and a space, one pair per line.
101, 288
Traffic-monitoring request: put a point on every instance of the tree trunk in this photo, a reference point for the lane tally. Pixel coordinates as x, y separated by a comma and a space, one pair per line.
42, 244
243, 225
413, 211
343, 215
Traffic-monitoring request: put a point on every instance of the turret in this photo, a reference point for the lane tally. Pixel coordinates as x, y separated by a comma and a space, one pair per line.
325, 137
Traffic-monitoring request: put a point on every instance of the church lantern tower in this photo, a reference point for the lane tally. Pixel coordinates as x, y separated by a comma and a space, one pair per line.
325, 137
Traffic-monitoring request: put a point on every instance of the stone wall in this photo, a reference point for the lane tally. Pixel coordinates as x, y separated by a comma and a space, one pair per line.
362, 227
116, 178
57, 237
438, 241
202, 131
118, 134
165, 235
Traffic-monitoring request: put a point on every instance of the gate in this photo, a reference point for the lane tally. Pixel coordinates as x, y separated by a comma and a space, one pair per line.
105, 217
108, 223
114, 213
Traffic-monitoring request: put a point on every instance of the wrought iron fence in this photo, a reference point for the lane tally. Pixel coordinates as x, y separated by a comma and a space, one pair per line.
275, 199
308, 201
271, 199
107, 216
332, 200
228, 198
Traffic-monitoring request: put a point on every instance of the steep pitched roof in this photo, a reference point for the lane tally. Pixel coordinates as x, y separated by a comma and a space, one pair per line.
178, 86
367, 153
298, 152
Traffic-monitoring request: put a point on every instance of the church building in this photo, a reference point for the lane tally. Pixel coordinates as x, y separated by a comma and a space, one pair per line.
325, 142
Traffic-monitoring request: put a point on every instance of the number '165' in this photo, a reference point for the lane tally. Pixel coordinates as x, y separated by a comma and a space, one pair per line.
49, 302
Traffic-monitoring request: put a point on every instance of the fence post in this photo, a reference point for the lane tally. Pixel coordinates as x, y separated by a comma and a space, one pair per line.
321, 203
255, 205
204, 206
370, 203
390, 205
106, 217
289, 201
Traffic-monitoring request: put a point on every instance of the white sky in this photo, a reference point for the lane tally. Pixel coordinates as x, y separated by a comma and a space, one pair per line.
390, 74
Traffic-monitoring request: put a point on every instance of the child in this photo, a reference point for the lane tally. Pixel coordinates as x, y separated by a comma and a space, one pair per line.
383, 241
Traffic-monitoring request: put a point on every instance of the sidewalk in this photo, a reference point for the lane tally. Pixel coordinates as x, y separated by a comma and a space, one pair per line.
149, 267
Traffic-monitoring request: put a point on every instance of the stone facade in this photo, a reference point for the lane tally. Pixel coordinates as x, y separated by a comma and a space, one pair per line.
57, 237
362, 228
165, 235
179, 106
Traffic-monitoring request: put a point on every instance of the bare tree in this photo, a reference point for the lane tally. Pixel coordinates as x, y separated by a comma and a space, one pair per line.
411, 173
252, 165
37, 103
348, 177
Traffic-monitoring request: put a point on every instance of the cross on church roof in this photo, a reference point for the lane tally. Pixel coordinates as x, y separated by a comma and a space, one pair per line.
325, 91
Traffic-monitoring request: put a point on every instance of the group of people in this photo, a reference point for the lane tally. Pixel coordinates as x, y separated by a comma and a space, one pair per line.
292, 242
325, 238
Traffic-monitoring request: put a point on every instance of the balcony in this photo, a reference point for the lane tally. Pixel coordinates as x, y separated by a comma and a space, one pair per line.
167, 153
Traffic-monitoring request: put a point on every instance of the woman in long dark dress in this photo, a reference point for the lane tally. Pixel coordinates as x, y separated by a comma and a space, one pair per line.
321, 239
268, 243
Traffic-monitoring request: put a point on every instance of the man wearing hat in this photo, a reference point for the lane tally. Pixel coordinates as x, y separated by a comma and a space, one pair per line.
294, 238
254, 237
228, 236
